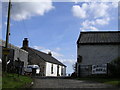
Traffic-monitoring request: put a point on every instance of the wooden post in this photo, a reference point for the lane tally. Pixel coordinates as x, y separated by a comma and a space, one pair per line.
7, 36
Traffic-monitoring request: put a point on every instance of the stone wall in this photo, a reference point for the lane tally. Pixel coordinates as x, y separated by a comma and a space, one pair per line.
21, 54
18, 53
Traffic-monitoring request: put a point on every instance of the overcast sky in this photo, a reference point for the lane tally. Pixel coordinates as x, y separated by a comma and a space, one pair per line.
55, 26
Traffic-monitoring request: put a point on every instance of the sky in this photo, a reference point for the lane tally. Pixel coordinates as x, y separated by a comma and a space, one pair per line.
56, 26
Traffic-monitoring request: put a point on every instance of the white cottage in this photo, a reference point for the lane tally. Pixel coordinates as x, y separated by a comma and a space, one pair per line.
95, 50
49, 66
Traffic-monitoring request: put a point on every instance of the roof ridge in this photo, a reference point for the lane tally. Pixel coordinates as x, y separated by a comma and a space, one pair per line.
99, 37
100, 32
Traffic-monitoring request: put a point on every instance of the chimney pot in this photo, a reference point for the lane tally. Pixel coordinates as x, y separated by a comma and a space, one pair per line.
25, 43
25, 38
49, 53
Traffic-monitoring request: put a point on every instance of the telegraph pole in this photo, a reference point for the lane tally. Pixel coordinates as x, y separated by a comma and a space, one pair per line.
7, 36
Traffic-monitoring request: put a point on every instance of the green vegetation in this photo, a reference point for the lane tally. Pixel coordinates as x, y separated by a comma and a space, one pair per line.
0, 82
112, 81
0, 78
13, 81
114, 67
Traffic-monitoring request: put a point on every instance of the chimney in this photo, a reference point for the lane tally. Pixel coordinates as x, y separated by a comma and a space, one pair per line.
25, 43
49, 53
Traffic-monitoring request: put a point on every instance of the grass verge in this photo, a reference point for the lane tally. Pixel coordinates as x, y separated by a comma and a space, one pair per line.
13, 81
0, 82
112, 81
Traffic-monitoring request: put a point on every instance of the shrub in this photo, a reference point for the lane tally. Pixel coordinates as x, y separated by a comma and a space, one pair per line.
73, 75
114, 67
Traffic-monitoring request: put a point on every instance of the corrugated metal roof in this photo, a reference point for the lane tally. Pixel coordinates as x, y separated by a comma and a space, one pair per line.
104, 37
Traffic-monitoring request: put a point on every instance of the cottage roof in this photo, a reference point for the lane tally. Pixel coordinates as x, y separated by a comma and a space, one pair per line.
43, 56
99, 37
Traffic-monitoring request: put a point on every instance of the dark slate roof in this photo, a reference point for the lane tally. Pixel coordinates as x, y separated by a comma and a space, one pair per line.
43, 56
99, 37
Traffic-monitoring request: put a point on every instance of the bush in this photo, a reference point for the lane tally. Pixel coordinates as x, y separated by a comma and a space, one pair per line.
73, 75
114, 67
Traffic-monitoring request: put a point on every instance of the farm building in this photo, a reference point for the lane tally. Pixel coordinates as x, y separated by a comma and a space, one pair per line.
15, 54
95, 50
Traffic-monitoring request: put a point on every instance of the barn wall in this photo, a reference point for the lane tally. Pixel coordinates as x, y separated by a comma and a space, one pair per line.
96, 54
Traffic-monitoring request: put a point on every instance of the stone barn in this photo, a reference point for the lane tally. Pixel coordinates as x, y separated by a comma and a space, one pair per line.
95, 50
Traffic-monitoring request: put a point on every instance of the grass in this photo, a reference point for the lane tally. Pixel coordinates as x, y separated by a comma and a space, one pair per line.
13, 81
112, 81
0, 79
0, 82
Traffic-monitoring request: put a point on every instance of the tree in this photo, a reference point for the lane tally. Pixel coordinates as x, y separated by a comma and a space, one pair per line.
74, 74
74, 66
114, 67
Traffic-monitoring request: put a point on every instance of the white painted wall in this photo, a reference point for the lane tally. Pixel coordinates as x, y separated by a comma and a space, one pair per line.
48, 69
64, 71
60, 70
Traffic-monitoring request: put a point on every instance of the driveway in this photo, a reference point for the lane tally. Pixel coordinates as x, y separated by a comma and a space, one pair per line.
66, 83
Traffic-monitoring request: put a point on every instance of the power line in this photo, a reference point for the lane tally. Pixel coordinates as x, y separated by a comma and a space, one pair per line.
26, 29
23, 27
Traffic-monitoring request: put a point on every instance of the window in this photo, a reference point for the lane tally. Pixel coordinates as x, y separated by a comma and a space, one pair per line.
58, 70
79, 59
51, 68
61, 70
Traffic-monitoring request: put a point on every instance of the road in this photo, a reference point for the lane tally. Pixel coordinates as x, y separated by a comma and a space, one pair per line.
66, 83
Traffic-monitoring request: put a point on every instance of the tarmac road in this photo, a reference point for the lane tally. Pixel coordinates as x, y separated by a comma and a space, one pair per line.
67, 83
